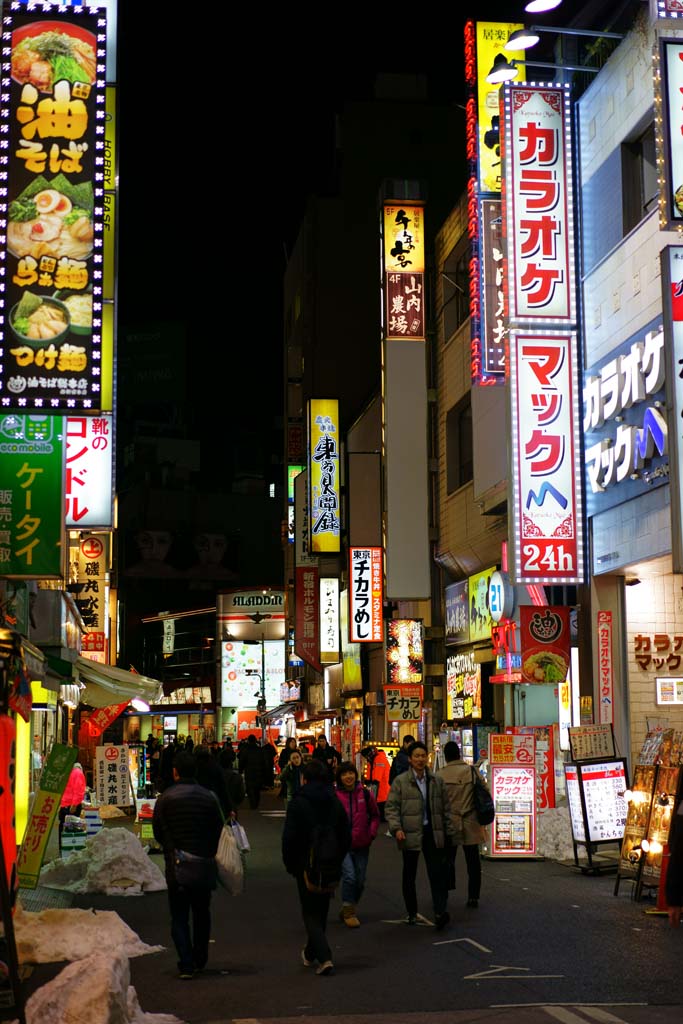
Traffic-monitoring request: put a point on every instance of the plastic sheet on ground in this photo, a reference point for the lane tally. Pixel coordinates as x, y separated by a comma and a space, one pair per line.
71, 934
113, 862
554, 834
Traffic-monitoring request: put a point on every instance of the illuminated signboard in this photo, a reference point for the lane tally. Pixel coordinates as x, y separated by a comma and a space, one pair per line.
672, 303
481, 622
365, 595
324, 474
463, 686
89, 472
404, 263
330, 644
241, 667
546, 512
538, 199
53, 119
457, 598
91, 564
668, 126
404, 651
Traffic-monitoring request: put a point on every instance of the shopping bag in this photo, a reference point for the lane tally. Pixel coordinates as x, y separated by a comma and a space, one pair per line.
229, 862
484, 807
241, 837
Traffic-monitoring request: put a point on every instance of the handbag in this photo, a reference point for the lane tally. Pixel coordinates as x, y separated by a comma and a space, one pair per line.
484, 808
240, 837
192, 870
229, 862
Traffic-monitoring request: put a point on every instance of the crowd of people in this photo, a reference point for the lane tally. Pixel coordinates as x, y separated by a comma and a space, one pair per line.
331, 820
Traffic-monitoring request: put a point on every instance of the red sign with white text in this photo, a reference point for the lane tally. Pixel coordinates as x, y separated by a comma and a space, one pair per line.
306, 617
605, 669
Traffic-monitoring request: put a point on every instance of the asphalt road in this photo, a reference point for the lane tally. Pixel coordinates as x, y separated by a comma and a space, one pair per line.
547, 943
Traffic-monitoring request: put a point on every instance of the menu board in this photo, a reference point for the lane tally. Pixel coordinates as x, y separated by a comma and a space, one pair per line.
588, 742
571, 776
597, 805
637, 818
514, 793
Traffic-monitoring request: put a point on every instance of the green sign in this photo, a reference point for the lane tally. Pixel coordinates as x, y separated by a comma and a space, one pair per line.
43, 813
32, 496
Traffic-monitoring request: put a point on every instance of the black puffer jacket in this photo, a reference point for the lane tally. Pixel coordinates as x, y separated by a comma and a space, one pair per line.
674, 875
315, 803
187, 817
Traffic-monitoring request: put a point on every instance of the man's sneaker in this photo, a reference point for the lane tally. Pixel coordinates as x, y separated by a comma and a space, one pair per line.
442, 920
186, 975
325, 968
410, 919
304, 959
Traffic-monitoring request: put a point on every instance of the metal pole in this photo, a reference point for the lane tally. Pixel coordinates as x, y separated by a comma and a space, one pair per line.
264, 735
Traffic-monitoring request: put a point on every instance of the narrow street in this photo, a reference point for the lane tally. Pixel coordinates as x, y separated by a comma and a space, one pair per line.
546, 943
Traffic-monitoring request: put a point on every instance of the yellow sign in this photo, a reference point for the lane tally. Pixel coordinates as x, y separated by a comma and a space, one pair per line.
404, 248
324, 474
107, 394
491, 38
43, 813
110, 140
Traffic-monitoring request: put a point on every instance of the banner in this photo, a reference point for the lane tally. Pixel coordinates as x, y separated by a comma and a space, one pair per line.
403, 703
306, 619
545, 640
112, 775
101, 719
404, 651
44, 809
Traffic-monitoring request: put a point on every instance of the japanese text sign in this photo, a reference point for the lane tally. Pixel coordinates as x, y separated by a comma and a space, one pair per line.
91, 566
506, 748
306, 618
669, 104
101, 718
330, 645
457, 613
545, 640
481, 622
44, 808
494, 325
112, 777
513, 832
672, 304
404, 262
463, 686
53, 120
403, 703
546, 513
365, 595
32, 496
404, 651
605, 668
539, 204
324, 506
89, 472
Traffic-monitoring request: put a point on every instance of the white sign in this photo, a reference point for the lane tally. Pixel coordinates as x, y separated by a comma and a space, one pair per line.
89, 471
365, 595
330, 646
241, 667
539, 204
112, 776
603, 786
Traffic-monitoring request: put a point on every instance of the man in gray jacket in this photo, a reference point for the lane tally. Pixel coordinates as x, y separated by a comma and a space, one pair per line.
419, 818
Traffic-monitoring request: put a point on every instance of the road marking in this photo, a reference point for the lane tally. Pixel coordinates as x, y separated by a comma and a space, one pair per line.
495, 969
424, 921
597, 1014
477, 945
561, 1014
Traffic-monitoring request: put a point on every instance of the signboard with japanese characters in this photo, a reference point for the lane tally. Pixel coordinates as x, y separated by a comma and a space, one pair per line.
101, 718
626, 437
506, 748
672, 304
404, 651
669, 125
544, 748
366, 568
658, 652
513, 788
494, 325
52, 117
90, 576
539, 204
112, 776
44, 809
457, 613
330, 646
306, 617
605, 668
591, 742
324, 505
481, 622
546, 527
404, 264
598, 789
350, 652
403, 703
463, 686
32, 496
89, 472
545, 640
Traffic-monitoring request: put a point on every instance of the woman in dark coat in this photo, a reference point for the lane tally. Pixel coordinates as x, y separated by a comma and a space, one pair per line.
253, 767
289, 746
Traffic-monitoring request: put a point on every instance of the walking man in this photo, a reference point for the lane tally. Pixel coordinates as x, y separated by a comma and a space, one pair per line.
401, 760
419, 818
314, 805
187, 820
458, 777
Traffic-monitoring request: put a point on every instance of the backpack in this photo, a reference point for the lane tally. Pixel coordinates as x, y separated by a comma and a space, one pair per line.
235, 786
323, 860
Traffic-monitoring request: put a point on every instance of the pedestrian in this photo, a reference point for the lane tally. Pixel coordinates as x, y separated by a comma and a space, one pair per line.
269, 756
379, 775
419, 818
252, 766
314, 805
674, 874
187, 818
363, 814
292, 775
228, 753
458, 777
401, 759
234, 783
165, 776
328, 755
208, 773
290, 745
72, 797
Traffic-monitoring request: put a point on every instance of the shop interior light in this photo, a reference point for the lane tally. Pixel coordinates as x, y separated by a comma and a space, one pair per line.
534, 6
139, 704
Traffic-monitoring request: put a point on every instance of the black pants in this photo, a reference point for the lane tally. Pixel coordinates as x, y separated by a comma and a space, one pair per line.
314, 910
435, 863
192, 944
253, 793
473, 862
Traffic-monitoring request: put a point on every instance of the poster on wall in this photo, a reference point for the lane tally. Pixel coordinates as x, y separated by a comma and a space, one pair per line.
112, 775
545, 640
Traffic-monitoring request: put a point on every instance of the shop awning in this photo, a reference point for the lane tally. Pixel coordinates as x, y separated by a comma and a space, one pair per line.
105, 684
284, 709
324, 715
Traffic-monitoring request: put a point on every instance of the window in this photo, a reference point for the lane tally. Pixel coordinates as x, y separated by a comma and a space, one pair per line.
459, 461
639, 177
455, 278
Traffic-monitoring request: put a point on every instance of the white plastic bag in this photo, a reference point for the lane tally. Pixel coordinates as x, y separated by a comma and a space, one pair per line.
229, 862
240, 837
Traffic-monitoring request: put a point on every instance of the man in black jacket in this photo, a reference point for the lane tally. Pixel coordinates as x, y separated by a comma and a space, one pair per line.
401, 761
315, 803
187, 818
327, 755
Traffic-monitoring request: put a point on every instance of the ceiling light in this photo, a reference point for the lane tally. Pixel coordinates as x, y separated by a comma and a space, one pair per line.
522, 39
534, 6
502, 70
140, 705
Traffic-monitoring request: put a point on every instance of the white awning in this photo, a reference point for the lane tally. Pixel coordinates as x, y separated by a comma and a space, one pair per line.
105, 684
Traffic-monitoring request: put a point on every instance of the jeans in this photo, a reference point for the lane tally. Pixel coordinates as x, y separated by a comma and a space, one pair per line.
435, 862
354, 870
473, 863
314, 909
192, 947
